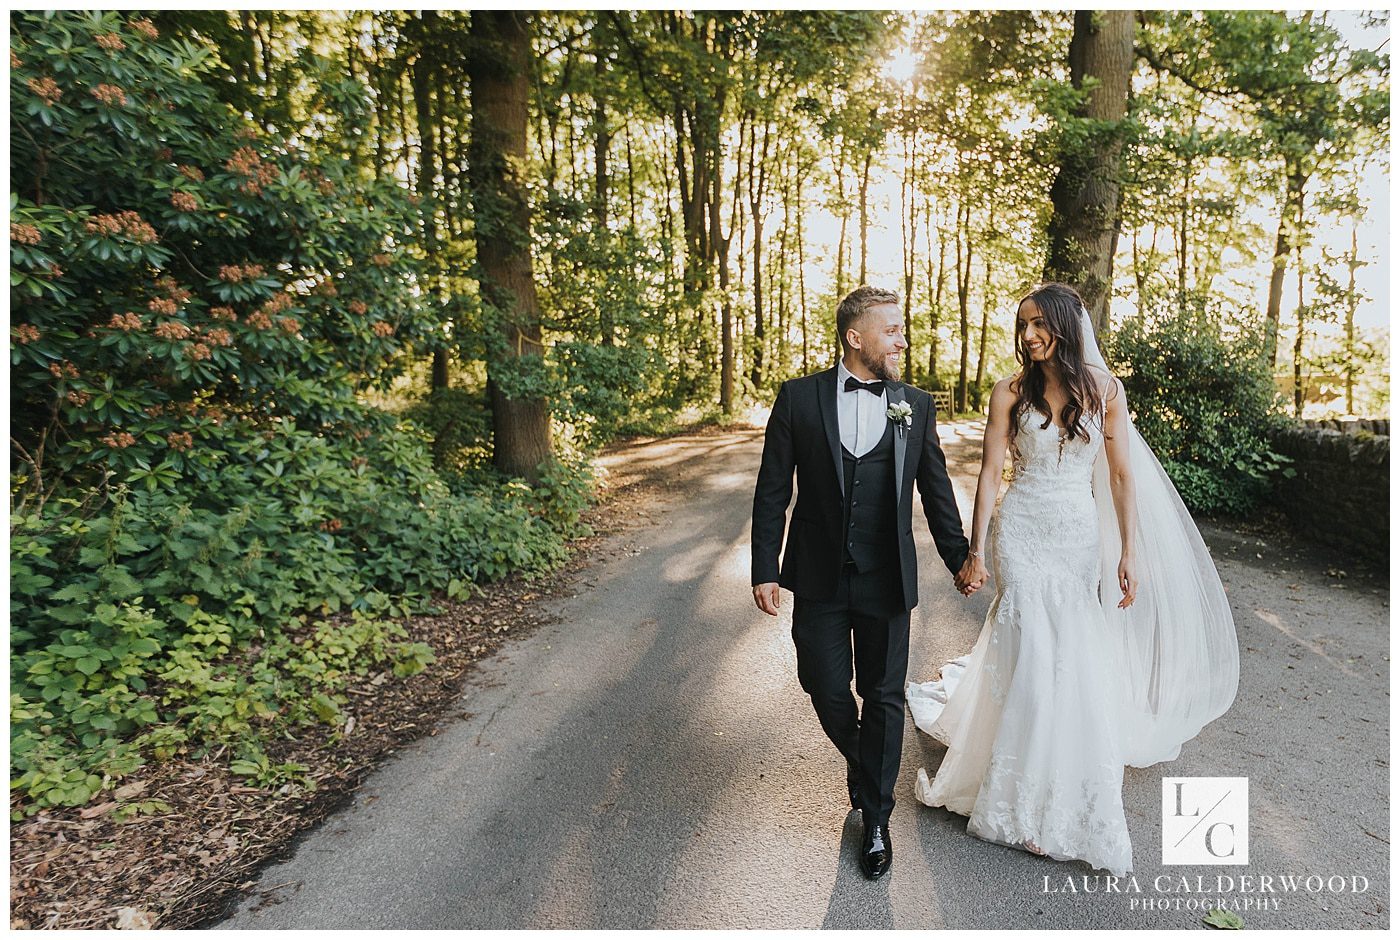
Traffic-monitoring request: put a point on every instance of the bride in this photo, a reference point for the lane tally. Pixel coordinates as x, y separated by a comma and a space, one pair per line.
1109, 641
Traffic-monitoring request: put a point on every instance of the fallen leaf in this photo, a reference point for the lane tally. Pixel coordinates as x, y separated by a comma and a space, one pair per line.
130, 790
92, 812
131, 918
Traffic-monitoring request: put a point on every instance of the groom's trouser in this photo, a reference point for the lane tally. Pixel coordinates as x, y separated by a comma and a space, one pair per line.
865, 623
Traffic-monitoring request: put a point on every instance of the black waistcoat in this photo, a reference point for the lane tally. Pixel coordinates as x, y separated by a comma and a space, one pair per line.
869, 521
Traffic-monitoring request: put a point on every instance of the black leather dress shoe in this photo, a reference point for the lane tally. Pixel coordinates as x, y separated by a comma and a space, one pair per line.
853, 784
876, 852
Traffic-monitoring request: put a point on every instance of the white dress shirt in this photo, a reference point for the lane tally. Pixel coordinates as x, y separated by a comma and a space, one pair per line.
860, 414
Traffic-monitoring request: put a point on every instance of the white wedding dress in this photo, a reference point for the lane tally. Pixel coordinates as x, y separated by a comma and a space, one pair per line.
1063, 688
1031, 715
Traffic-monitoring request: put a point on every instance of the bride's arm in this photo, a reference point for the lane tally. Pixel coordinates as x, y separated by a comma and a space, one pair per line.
1120, 480
994, 444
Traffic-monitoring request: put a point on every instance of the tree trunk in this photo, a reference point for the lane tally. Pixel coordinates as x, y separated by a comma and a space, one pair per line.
1291, 209
423, 83
935, 294
845, 218
780, 274
1352, 302
631, 179
1085, 193
802, 278
865, 214
498, 74
982, 336
758, 183
1298, 342
909, 225
602, 140
962, 243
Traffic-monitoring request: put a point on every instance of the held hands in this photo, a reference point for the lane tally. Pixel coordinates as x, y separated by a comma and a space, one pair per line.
1127, 581
972, 576
766, 597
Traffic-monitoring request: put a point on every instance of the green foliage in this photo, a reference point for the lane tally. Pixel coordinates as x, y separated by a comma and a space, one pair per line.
169, 617
1205, 404
605, 295
181, 276
209, 532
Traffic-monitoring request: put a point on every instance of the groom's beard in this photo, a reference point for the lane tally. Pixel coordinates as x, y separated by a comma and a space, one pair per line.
878, 365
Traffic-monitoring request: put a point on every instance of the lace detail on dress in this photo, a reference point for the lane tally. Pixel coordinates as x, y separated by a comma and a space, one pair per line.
1028, 716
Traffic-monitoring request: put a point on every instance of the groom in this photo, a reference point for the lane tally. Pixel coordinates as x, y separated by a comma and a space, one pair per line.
859, 440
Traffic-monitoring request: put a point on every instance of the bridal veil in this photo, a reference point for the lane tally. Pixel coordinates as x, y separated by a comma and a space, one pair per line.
1180, 654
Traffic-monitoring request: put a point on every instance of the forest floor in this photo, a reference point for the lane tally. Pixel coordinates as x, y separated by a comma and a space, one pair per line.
622, 744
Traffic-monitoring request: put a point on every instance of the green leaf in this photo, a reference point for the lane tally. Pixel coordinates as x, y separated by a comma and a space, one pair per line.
1223, 920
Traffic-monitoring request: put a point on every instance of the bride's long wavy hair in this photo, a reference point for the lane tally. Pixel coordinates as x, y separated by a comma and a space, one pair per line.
1059, 305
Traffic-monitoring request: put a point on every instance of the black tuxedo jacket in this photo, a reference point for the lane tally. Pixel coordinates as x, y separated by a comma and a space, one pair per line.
804, 434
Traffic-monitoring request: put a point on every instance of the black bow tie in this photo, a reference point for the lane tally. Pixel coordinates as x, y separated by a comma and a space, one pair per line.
875, 388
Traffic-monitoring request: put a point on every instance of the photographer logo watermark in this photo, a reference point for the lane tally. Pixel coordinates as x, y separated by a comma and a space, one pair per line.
1205, 820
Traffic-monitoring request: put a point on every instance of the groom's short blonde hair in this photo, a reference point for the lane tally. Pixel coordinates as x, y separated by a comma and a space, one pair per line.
853, 307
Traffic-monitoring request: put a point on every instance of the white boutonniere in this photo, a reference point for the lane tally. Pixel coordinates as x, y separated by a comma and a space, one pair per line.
901, 414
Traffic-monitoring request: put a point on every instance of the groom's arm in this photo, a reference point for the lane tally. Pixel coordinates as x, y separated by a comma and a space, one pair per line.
774, 490
940, 505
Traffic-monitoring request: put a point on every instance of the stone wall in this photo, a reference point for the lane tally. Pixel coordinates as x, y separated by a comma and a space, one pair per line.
1341, 493
1380, 426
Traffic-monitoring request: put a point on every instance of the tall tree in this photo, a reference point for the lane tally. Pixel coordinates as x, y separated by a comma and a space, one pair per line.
1084, 225
498, 72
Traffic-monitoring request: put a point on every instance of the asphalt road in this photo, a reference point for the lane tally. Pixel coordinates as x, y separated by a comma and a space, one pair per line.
649, 761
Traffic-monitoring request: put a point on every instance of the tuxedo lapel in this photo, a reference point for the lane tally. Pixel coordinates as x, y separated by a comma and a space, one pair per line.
894, 394
826, 399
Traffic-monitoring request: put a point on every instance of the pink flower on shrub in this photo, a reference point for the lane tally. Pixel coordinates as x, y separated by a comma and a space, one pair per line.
110, 95
289, 325
179, 440
78, 399
15, 61
234, 273
25, 234
26, 333
382, 329
276, 303
119, 440
63, 370
185, 202
219, 336
54, 272
146, 28
172, 289
192, 173
248, 163
111, 42
126, 322
46, 88
172, 330
163, 305
128, 224
223, 313
359, 308
259, 320
198, 351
